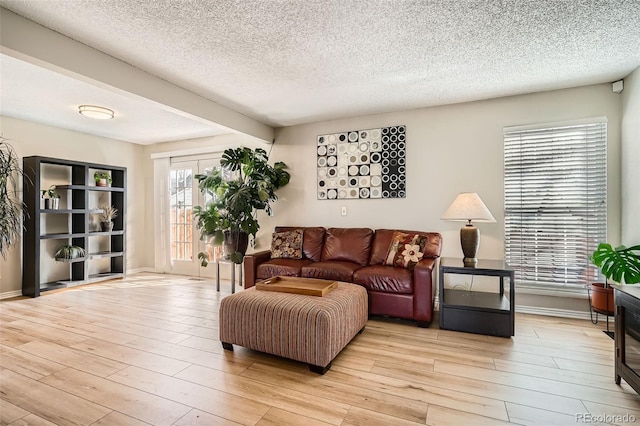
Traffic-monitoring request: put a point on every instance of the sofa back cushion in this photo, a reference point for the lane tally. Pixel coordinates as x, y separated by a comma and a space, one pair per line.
348, 244
382, 242
312, 240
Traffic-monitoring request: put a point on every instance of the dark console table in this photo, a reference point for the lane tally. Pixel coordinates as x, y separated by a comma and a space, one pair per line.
627, 334
474, 311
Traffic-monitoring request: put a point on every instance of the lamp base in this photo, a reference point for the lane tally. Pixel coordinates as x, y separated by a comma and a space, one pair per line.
470, 241
470, 261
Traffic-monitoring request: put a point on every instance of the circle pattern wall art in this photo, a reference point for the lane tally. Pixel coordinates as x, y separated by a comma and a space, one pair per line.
362, 164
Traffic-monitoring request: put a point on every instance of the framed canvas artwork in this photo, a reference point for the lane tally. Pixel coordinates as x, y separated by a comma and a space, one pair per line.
367, 163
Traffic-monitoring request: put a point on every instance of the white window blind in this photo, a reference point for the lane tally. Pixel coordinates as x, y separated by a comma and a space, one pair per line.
555, 202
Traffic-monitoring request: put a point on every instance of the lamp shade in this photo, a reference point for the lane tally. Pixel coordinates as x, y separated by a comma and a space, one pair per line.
466, 207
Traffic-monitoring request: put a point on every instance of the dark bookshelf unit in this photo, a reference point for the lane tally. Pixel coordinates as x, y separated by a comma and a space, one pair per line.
75, 223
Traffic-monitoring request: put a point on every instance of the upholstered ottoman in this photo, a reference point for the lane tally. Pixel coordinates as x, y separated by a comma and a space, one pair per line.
310, 329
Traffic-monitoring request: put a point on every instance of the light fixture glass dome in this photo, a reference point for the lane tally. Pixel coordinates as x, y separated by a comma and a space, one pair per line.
97, 112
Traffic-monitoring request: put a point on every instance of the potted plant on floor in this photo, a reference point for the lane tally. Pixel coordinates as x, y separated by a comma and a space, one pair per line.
230, 217
620, 264
51, 198
106, 217
10, 204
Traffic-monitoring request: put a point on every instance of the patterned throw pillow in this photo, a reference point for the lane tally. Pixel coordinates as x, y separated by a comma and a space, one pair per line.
287, 245
406, 250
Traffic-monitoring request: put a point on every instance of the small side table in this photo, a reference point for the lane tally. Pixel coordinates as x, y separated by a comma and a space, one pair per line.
233, 274
474, 311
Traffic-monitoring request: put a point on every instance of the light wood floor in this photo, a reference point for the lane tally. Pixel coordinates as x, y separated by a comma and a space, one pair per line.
145, 351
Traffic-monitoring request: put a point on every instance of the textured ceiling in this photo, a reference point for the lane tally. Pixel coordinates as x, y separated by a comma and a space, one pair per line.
286, 62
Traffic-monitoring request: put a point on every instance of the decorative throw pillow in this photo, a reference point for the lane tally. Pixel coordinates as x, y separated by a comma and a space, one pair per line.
406, 250
287, 245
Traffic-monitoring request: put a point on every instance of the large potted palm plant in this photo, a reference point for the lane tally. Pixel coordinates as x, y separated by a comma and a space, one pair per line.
11, 207
230, 217
620, 264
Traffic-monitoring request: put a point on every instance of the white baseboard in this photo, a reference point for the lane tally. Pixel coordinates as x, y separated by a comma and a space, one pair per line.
553, 312
10, 294
138, 270
535, 310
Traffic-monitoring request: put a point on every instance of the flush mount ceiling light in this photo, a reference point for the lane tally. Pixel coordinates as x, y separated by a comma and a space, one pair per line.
96, 112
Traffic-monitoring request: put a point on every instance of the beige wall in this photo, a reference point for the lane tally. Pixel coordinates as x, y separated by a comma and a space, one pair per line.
631, 159
450, 149
29, 138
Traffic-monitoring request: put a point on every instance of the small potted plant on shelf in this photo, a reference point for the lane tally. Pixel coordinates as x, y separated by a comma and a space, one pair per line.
107, 214
620, 264
102, 178
51, 198
67, 253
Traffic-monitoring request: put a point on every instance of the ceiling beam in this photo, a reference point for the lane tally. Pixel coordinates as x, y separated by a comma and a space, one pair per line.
31, 42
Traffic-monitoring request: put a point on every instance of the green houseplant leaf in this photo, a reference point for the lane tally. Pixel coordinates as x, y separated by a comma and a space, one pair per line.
621, 264
236, 201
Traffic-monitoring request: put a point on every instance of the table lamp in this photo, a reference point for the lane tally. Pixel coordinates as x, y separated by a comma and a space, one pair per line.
467, 207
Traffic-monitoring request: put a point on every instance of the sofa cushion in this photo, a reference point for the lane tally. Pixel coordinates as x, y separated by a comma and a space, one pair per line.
287, 244
406, 250
385, 279
382, 241
312, 241
282, 267
333, 270
347, 245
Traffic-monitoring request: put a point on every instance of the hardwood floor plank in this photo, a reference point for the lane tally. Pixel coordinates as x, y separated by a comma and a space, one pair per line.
361, 417
419, 392
10, 412
131, 356
278, 417
536, 416
318, 408
26, 364
118, 419
43, 332
50, 403
32, 420
569, 390
124, 399
202, 418
586, 367
624, 416
190, 355
222, 404
370, 399
70, 357
443, 416
485, 389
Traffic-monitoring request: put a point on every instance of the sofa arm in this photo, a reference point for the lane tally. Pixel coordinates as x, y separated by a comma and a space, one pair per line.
250, 264
424, 290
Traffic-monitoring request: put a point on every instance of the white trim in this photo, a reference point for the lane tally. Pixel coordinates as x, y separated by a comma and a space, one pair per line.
577, 122
139, 270
572, 293
217, 149
553, 312
10, 294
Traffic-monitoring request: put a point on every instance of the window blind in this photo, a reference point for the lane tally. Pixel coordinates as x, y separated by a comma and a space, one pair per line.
555, 186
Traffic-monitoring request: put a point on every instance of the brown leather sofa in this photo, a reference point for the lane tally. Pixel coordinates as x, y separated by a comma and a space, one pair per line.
357, 255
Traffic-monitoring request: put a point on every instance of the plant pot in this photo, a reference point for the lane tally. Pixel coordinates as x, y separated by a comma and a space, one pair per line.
52, 203
106, 226
602, 299
101, 182
235, 245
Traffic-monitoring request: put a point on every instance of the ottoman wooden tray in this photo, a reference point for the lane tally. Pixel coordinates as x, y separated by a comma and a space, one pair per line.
296, 326
297, 285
